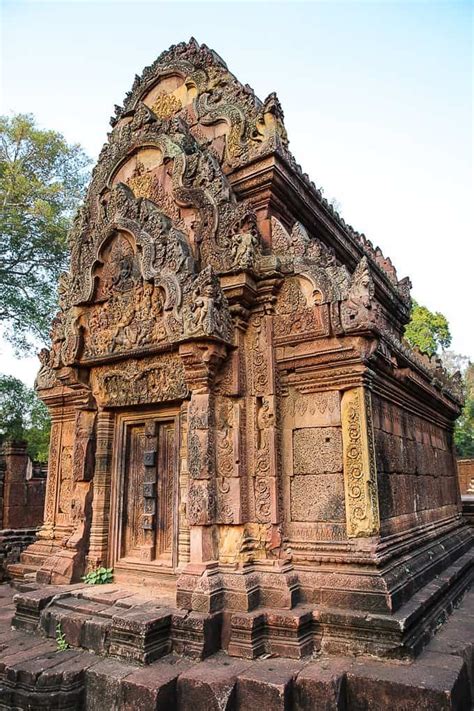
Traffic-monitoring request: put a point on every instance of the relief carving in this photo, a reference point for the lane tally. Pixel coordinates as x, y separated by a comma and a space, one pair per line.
294, 314
259, 350
201, 503
359, 309
265, 483
139, 382
207, 313
360, 476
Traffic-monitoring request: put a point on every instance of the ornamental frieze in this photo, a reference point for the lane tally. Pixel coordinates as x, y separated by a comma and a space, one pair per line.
138, 382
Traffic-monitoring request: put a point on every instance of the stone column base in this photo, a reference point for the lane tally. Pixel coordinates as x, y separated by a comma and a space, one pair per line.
210, 587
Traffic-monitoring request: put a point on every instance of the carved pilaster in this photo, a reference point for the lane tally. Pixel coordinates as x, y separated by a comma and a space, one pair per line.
360, 475
201, 460
183, 532
99, 536
52, 480
262, 406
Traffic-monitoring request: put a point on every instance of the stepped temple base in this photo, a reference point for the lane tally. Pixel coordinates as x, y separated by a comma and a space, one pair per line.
142, 624
147, 654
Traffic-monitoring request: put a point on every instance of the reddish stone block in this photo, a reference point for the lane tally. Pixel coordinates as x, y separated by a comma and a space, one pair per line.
103, 684
290, 632
195, 634
247, 635
210, 685
27, 672
414, 687
267, 684
153, 687
141, 634
95, 634
23, 650
321, 685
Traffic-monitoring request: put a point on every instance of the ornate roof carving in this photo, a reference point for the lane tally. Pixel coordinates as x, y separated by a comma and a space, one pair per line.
161, 222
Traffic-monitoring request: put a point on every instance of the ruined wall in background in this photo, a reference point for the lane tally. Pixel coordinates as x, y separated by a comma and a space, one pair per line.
22, 491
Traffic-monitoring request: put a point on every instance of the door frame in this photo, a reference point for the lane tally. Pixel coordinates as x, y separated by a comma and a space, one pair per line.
117, 500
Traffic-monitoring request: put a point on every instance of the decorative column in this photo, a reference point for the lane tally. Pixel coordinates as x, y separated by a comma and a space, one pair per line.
61, 544
360, 474
198, 587
262, 405
99, 535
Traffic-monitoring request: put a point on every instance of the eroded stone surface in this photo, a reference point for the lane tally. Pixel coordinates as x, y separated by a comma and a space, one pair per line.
33, 674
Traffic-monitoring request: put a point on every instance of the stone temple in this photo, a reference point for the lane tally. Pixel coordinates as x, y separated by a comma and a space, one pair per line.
238, 423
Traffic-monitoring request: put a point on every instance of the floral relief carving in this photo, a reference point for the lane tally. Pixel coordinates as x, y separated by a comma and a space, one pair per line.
360, 478
293, 313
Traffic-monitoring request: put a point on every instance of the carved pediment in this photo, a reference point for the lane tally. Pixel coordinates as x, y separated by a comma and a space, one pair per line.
306, 255
191, 80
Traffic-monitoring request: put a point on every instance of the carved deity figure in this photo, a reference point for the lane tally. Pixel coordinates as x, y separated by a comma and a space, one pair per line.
265, 420
243, 250
358, 309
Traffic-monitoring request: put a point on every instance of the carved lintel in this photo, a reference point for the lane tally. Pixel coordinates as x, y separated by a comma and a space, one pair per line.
360, 475
139, 382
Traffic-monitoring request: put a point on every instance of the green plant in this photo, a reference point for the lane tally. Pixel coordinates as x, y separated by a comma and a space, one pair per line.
100, 576
61, 643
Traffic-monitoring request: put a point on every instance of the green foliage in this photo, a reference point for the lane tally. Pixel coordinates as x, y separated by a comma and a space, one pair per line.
464, 429
427, 331
100, 576
24, 417
61, 643
42, 179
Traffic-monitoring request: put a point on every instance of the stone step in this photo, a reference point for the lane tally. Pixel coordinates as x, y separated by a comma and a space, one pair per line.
139, 633
34, 675
286, 633
18, 571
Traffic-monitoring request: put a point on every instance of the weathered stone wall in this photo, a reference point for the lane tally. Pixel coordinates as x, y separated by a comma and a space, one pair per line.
22, 492
415, 468
213, 294
312, 465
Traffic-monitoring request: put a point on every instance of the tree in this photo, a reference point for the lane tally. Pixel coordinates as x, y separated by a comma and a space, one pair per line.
42, 180
464, 430
427, 331
24, 417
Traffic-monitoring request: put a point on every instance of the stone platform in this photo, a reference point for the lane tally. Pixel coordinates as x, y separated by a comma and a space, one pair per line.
142, 624
123, 628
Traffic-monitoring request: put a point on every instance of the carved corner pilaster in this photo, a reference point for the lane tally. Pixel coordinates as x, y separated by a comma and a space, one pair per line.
360, 474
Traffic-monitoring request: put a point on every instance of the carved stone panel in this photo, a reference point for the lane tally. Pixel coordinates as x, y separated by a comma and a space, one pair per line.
360, 475
138, 382
298, 311
126, 322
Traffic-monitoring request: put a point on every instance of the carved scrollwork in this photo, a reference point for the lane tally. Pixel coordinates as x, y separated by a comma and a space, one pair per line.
360, 476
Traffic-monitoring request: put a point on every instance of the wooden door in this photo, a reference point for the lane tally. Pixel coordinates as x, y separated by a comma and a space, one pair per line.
148, 491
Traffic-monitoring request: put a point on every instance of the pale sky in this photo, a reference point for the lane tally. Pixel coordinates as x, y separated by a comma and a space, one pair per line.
377, 99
